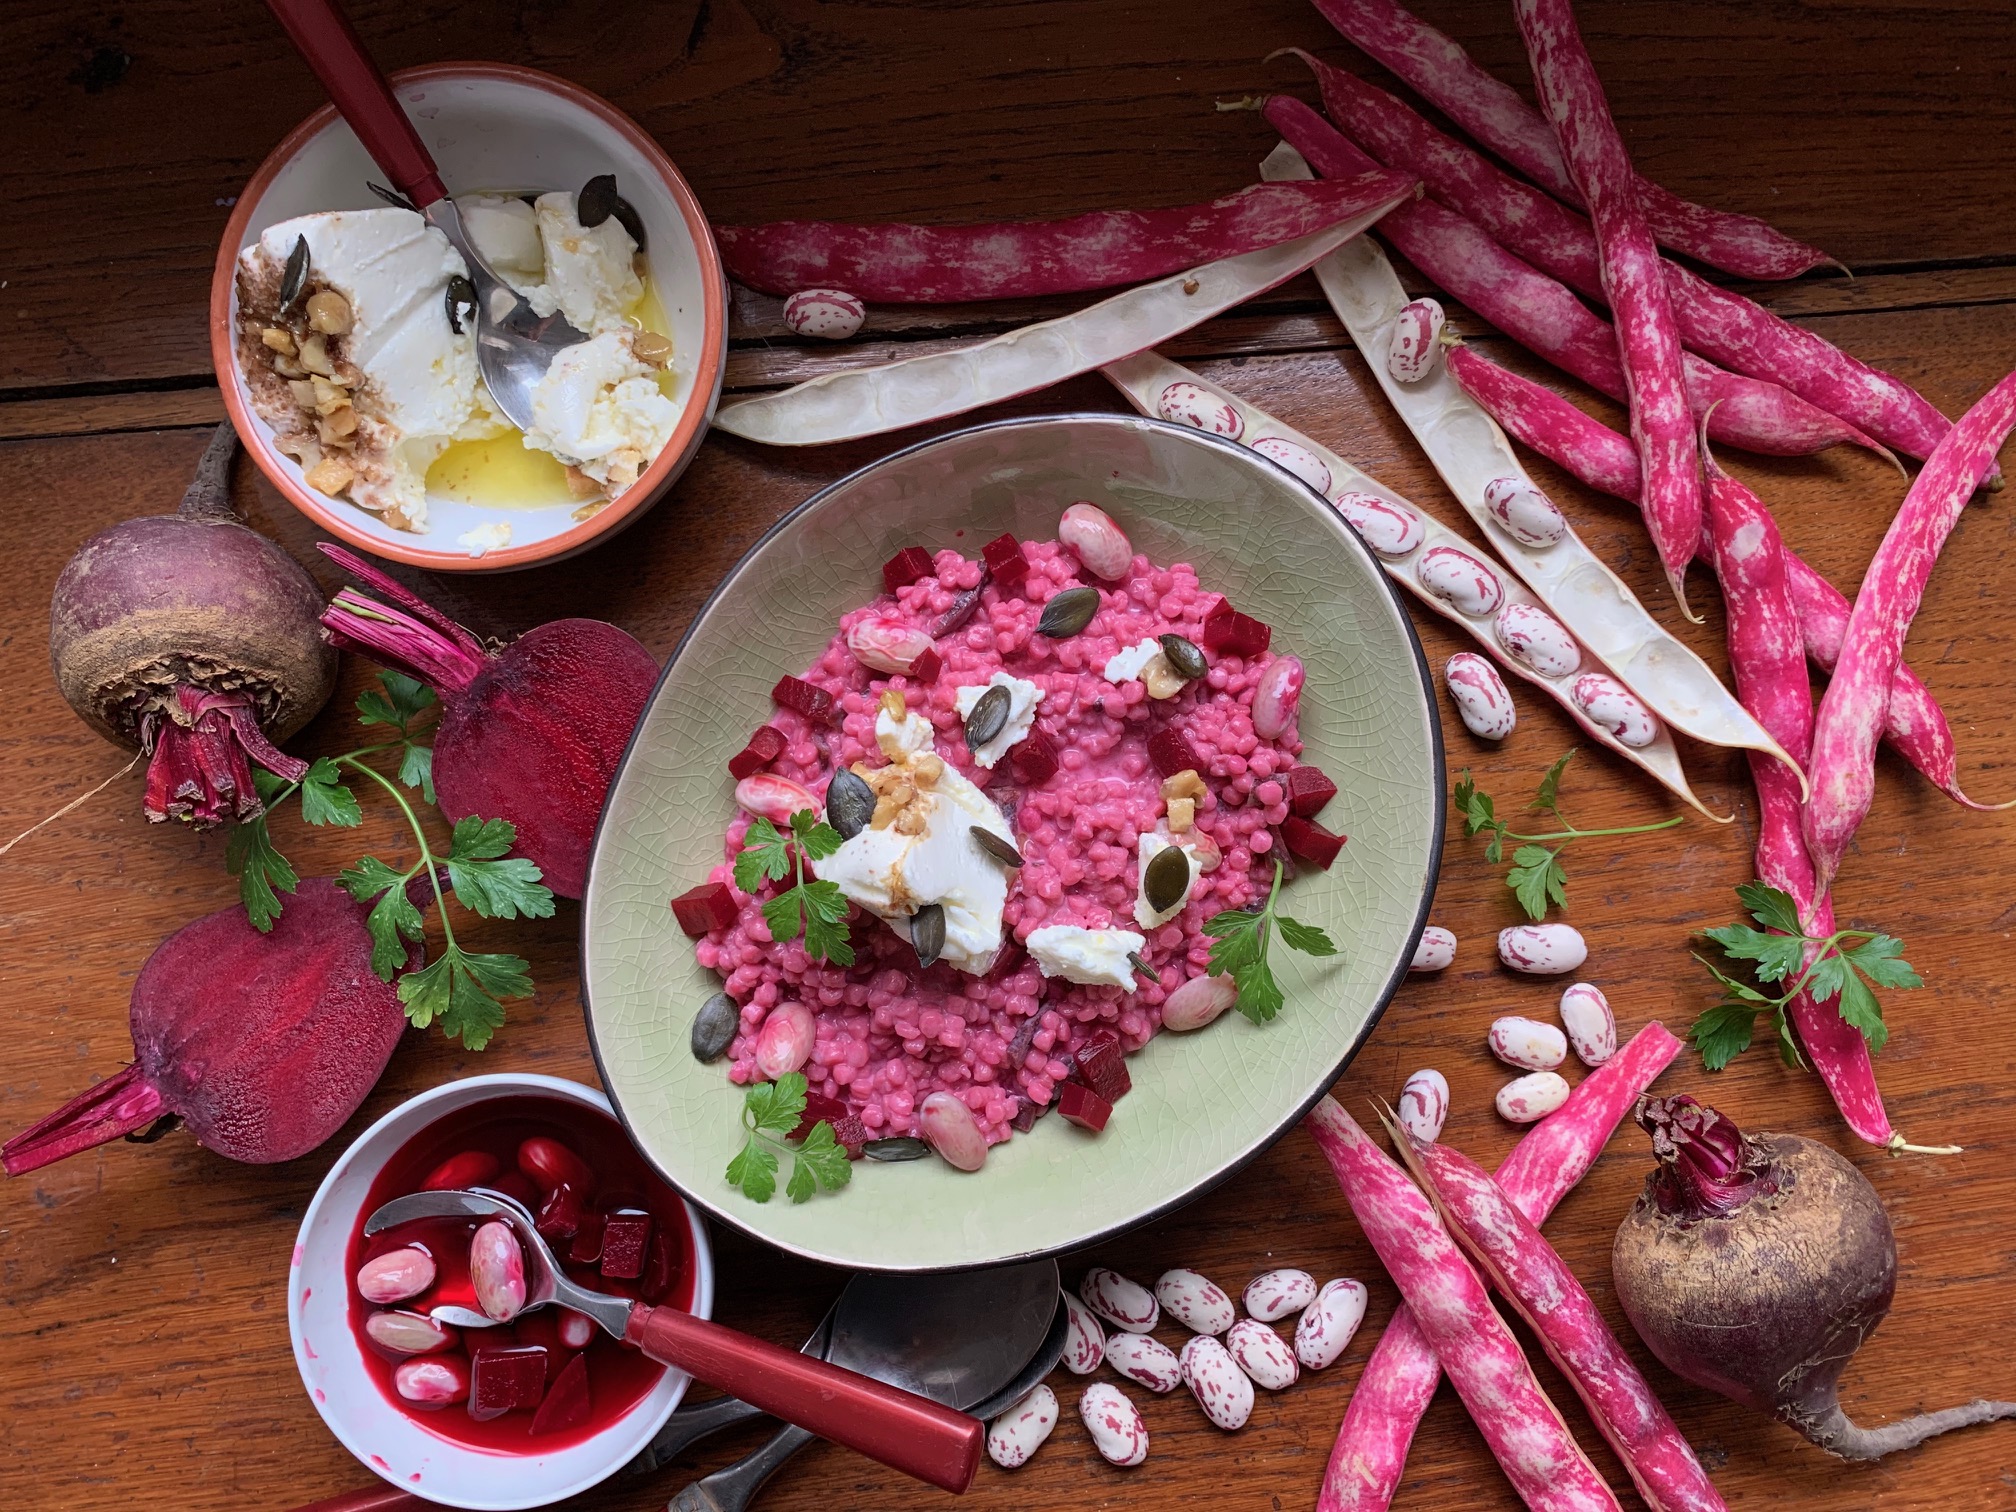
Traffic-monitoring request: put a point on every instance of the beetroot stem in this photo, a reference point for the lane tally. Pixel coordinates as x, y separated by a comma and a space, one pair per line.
402, 642
118, 1105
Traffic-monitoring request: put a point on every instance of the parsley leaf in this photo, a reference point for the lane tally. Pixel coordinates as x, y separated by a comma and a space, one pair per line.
816, 909
1537, 879
1776, 955
1771, 907
394, 919
416, 769
465, 991
765, 857
262, 872
1724, 1032
324, 798
489, 882
1879, 959
754, 1170
771, 1113
1242, 937
822, 1165
403, 699
1548, 799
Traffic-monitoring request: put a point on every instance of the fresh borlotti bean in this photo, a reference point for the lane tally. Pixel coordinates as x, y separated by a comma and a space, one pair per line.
1325, 1329
1528, 515
432, 1381
1537, 639
497, 1271
1460, 580
784, 1043
1197, 1302
1424, 1104
1277, 697
1416, 341
825, 314
768, 796
1263, 1354
1542, 949
1482, 700
1436, 950
1390, 529
1298, 459
395, 1275
1145, 1360
1277, 1293
409, 1333
1115, 1424
1198, 1002
1528, 1043
1101, 545
886, 643
1020, 1431
1530, 1098
1615, 707
1084, 1339
1592, 1028
1192, 404
952, 1131
1123, 1303
1221, 1388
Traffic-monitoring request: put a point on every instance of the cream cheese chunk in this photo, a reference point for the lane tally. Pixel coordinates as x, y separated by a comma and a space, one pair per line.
909, 736
599, 408
1090, 957
1127, 664
1023, 700
491, 535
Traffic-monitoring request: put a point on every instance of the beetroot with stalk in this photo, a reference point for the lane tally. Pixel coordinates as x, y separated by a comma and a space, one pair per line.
194, 639
531, 733
263, 1044
1756, 1265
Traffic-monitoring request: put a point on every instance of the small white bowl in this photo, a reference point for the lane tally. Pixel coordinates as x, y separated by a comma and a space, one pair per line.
493, 127
332, 1366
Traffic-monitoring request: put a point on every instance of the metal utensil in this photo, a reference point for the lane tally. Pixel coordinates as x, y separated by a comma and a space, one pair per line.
514, 343
904, 1430
963, 1339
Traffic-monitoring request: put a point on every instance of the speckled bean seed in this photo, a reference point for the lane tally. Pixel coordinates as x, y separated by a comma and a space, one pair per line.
1020, 1431
1115, 1424
1279, 1293
1436, 950
1591, 1026
1390, 529
1216, 1381
825, 314
434, 1381
1263, 1354
408, 1333
1542, 949
1084, 1339
1532, 1097
1299, 460
885, 643
1145, 1360
395, 1275
1460, 580
785, 1041
1616, 708
1534, 638
497, 1271
1483, 702
1123, 1303
1324, 1330
1197, 1302
1415, 344
1191, 404
1424, 1105
1101, 545
1278, 695
1528, 1043
1528, 515
949, 1127
1198, 1002
768, 796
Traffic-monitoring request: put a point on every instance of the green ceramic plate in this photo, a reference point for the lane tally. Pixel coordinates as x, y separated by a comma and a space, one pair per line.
1203, 1104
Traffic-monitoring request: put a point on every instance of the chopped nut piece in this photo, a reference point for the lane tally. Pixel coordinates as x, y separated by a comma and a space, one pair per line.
926, 770
279, 339
331, 475
329, 312
315, 356
1163, 681
287, 367
1182, 815
893, 703
303, 390
580, 485
649, 346
902, 794
1185, 784
588, 511
886, 809
335, 428
911, 821
623, 468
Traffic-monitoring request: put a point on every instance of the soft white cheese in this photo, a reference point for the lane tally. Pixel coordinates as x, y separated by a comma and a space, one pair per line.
1126, 664
900, 738
1146, 849
601, 409
505, 232
892, 875
1023, 700
1090, 957
591, 276
491, 535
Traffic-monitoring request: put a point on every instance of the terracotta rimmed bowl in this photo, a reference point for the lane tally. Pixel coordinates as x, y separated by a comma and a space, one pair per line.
490, 127
1203, 1104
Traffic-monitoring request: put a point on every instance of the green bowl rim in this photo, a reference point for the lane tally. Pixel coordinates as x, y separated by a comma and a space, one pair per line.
719, 1211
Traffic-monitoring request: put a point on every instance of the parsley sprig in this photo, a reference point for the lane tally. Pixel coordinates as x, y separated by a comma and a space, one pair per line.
817, 909
1537, 878
771, 1111
1844, 968
1240, 939
464, 991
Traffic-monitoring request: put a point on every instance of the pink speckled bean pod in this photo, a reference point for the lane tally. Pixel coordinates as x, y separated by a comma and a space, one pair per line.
1851, 710
1447, 1297
1648, 339
1393, 1392
1526, 1271
1437, 69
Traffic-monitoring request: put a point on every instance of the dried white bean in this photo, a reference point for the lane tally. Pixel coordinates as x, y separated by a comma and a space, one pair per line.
1263, 1354
1279, 1293
768, 796
1084, 1339
395, 1275
497, 1271
1114, 1423
1298, 459
1532, 1097
1123, 1303
1424, 1105
1020, 1431
1145, 1360
1436, 950
1324, 1330
1542, 949
949, 1128
1460, 580
408, 1333
1221, 1388
1101, 545
1415, 344
1616, 708
1197, 1302
1198, 1002
886, 643
828, 314
1482, 700
1536, 639
1277, 697
1192, 404
1390, 529
1528, 1043
785, 1041
1528, 515
1591, 1026
433, 1380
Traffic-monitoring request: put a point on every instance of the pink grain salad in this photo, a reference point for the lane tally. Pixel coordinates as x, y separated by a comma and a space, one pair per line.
1014, 808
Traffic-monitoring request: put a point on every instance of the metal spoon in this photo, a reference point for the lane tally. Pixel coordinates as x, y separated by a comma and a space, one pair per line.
966, 1340
906, 1431
514, 343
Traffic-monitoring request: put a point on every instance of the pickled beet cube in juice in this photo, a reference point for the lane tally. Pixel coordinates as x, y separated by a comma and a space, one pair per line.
819, 1108
709, 906
816, 704
1227, 630
906, 567
927, 667
505, 1379
586, 1248
1172, 753
1033, 759
1308, 791
561, 1213
1083, 1107
567, 1405
657, 1277
1309, 841
1003, 551
765, 746
626, 1237
1102, 1066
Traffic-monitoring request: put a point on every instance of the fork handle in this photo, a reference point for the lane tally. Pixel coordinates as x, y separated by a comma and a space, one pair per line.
323, 36
905, 1431
732, 1489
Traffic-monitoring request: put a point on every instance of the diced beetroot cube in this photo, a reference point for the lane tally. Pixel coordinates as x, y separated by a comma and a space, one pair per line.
626, 1238
560, 1214
1171, 753
927, 666
1027, 1112
1102, 1066
816, 704
1308, 790
764, 747
505, 1379
566, 1405
904, 568
709, 906
1034, 759
587, 1246
1309, 841
850, 1134
819, 1108
657, 1277
1003, 549
1011, 577
1229, 631
1083, 1107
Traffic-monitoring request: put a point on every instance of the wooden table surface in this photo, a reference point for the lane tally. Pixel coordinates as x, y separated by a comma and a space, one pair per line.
143, 1344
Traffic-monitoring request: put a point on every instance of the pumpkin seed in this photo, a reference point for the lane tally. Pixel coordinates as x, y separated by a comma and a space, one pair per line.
1167, 878
1184, 656
1134, 960
850, 804
714, 1027
461, 302
896, 1149
295, 279
1068, 613
989, 717
927, 933
597, 200
391, 197
995, 846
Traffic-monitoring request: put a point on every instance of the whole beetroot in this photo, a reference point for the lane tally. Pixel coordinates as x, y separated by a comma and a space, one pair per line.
194, 639
531, 732
1756, 1266
263, 1044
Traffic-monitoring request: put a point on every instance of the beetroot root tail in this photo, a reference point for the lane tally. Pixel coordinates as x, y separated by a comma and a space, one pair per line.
115, 1107
1832, 1430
